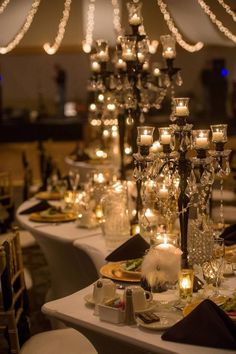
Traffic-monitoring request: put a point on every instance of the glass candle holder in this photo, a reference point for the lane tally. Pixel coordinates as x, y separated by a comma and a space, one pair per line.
168, 45
128, 49
163, 237
134, 13
165, 135
201, 139
102, 50
181, 107
185, 281
145, 136
143, 50
219, 133
163, 191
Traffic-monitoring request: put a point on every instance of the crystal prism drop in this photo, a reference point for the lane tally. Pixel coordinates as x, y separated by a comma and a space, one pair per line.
179, 80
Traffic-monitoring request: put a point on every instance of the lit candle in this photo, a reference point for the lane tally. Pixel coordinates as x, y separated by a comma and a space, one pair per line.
135, 229
146, 139
145, 66
98, 212
165, 245
169, 53
102, 55
186, 283
128, 55
100, 178
96, 67
141, 57
165, 138
135, 20
217, 136
163, 192
181, 111
201, 143
121, 64
156, 72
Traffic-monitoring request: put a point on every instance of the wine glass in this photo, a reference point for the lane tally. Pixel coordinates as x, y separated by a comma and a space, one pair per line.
212, 269
74, 178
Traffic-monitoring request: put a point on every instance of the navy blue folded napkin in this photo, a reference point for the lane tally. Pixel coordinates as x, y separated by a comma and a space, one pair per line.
41, 206
134, 247
207, 325
229, 235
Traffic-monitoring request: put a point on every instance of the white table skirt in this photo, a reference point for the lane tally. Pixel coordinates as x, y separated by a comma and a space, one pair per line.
116, 339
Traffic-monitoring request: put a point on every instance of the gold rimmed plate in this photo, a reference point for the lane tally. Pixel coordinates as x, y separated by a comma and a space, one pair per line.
48, 195
114, 271
60, 217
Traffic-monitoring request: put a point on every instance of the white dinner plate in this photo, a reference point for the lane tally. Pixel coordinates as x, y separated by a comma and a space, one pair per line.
167, 320
89, 299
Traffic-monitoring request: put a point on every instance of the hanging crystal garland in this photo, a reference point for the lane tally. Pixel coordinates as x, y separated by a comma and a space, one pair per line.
217, 22
52, 49
227, 9
87, 43
4, 5
16, 40
174, 30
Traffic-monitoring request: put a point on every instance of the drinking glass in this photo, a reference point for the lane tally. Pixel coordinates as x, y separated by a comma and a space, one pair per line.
213, 268
74, 178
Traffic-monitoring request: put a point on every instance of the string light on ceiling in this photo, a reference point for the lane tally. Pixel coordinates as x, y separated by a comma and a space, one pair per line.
87, 43
227, 9
174, 30
16, 40
4, 5
52, 49
217, 22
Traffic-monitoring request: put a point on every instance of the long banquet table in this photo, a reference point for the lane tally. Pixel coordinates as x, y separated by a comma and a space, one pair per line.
116, 339
56, 240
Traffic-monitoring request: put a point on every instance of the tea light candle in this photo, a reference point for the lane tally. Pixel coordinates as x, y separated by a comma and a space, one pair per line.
156, 72
146, 139
163, 192
217, 136
141, 57
165, 245
121, 64
135, 20
181, 111
102, 55
100, 178
169, 53
186, 283
128, 55
96, 67
165, 138
201, 143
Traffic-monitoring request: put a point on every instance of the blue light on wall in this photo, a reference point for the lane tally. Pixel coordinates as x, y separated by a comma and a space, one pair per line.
224, 72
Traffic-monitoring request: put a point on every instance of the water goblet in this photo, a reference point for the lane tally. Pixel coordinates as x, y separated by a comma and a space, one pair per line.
74, 178
213, 268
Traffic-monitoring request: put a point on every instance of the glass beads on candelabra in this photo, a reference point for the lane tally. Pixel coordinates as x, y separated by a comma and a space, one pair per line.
200, 238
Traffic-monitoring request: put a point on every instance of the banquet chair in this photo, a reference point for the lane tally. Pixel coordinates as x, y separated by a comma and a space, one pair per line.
6, 201
14, 324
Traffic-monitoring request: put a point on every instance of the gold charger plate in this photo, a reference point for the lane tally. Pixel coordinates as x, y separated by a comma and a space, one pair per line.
52, 218
48, 195
114, 271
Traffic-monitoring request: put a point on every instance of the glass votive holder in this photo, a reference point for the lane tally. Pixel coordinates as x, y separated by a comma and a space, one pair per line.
168, 45
134, 13
128, 49
181, 107
201, 139
165, 135
162, 237
219, 133
185, 282
145, 135
102, 50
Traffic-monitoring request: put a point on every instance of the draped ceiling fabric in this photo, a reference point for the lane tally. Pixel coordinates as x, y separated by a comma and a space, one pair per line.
192, 22
195, 25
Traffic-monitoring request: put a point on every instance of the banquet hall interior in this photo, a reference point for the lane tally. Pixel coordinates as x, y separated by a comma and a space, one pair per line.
75, 113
